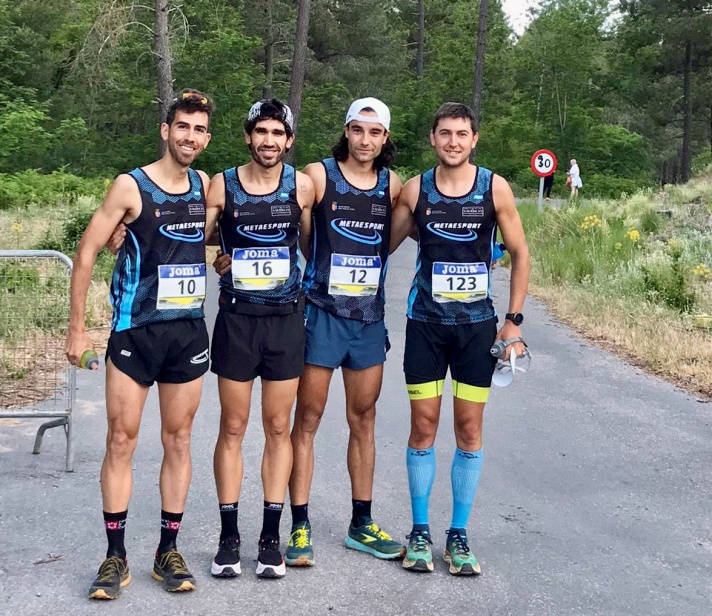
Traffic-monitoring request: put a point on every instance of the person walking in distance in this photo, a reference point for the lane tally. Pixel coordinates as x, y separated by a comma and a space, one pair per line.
456, 208
574, 175
158, 332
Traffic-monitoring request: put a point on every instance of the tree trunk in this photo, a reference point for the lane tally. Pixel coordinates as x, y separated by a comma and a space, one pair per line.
420, 58
164, 62
479, 65
269, 51
686, 158
299, 58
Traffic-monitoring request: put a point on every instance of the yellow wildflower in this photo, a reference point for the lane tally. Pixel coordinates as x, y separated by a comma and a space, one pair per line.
703, 272
633, 235
618, 246
17, 227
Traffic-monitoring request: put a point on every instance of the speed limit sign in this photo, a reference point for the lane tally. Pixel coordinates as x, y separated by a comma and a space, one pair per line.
543, 163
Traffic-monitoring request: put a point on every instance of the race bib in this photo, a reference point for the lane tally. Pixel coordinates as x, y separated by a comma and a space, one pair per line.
181, 287
260, 269
459, 282
354, 275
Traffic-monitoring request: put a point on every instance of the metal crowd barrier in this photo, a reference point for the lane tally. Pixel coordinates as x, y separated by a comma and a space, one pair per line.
36, 381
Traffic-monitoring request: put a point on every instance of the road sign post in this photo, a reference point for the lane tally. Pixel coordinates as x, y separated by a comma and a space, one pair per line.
543, 163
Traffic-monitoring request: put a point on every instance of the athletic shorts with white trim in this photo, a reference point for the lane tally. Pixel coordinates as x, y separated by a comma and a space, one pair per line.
339, 342
168, 352
246, 346
431, 348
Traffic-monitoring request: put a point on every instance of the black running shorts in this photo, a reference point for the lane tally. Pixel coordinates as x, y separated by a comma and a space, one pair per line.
246, 346
169, 352
431, 348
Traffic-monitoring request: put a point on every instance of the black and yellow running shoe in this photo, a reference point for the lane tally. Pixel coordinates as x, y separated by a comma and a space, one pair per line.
170, 569
113, 575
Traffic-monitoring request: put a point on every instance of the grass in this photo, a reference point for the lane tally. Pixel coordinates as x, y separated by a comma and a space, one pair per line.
633, 275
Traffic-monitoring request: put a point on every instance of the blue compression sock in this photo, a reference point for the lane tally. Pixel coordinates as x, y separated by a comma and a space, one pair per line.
464, 475
421, 475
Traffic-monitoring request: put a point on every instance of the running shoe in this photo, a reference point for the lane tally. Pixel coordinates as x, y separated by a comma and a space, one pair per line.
299, 549
113, 575
458, 555
170, 569
371, 539
270, 563
419, 555
227, 561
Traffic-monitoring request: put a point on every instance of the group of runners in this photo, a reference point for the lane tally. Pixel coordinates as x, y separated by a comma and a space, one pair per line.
345, 215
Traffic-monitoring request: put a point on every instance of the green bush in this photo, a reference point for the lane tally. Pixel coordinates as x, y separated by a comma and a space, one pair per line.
27, 188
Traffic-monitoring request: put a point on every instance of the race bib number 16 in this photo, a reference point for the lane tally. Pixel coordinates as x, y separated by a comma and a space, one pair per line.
181, 287
260, 269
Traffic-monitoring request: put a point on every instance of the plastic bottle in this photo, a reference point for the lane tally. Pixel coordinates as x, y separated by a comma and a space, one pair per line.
89, 360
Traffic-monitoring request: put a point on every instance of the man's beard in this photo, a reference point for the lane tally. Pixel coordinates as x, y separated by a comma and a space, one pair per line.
267, 163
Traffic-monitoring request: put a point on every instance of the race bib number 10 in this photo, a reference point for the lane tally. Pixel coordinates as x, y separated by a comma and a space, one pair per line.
354, 275
459, 282
260, 269
181, 287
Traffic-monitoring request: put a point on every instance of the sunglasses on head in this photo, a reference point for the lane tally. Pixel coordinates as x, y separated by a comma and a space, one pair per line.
192, 95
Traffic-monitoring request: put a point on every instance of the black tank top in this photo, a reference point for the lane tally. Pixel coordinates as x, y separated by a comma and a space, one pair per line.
350, 238
451, 285
160, 270
260, 232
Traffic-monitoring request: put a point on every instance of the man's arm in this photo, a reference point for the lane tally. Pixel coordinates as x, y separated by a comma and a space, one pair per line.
516, 242
122, 200
215, 203
306, 194
402, 220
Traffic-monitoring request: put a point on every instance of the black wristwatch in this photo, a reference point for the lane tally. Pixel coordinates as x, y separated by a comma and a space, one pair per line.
515, 317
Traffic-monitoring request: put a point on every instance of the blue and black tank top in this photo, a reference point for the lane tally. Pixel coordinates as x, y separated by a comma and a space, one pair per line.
350, 238
260, 233
456, 237
159, 274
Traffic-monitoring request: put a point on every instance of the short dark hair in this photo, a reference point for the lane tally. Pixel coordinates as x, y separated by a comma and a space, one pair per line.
340, 152
455, 110
271, 109
190, 101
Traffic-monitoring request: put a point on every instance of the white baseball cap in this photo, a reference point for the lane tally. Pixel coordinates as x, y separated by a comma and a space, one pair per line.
383, 114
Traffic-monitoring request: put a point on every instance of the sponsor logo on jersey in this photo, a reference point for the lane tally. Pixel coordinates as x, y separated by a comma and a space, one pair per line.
358, 230
378, 209
430, 212
184, 231
457, 231
158, 213
200, 358
268, 232
281, 210
238, 213
335, 207
196, 209
473, 210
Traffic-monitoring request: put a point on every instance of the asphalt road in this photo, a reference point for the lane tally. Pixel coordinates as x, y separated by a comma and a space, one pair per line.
595, 499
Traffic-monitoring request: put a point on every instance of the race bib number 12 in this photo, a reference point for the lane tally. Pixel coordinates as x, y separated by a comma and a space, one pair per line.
354, 275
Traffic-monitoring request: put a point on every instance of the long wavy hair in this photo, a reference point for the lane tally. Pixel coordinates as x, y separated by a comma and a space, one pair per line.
384, 160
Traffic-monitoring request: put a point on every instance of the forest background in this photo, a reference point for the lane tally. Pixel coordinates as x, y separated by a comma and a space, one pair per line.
623, 87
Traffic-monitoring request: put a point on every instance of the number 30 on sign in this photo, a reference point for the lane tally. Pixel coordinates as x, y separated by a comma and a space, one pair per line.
543, 163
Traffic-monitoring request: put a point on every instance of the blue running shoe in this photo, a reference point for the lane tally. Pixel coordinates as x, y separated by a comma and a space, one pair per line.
371, 539
458, 554
419, 555
299, 548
